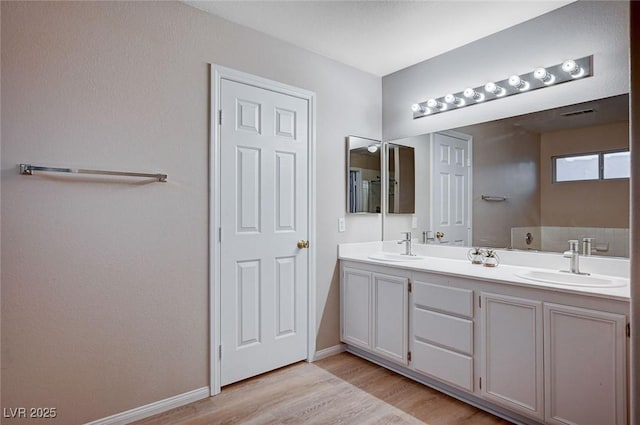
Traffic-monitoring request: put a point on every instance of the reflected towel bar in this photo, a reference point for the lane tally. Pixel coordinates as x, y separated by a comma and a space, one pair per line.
491, 198
28, 169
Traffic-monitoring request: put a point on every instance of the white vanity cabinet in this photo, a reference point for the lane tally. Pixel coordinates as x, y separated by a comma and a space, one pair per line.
442, 332
585, 366
355, 296
512, 355
534, 355
374, 312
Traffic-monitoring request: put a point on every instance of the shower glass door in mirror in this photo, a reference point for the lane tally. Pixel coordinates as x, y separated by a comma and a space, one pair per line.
364, 172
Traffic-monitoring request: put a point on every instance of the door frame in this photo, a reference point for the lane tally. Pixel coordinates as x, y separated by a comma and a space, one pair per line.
218, 73
432, 151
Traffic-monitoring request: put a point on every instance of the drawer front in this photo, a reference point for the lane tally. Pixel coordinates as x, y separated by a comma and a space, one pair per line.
447, 366
447, 331
443, 298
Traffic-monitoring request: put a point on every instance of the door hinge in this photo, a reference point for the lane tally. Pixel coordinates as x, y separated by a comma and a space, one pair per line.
410, 286
628, 330
479, 301
481, 382
220, 116
409, 356
220, 352
219, 234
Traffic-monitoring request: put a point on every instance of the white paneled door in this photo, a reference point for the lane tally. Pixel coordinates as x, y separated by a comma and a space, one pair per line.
264, 216
451, 188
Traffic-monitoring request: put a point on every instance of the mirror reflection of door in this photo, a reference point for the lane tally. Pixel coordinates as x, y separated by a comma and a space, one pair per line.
364, 168
451, 188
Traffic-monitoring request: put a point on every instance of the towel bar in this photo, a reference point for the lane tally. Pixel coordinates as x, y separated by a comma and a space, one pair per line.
28, 169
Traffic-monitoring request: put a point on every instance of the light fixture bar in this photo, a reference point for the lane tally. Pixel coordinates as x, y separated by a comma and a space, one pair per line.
569, 70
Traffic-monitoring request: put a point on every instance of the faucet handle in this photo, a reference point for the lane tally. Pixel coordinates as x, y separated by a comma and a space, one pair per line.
573, 245
407, 235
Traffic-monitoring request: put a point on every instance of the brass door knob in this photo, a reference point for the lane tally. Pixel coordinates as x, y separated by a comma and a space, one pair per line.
439, 235
303, 244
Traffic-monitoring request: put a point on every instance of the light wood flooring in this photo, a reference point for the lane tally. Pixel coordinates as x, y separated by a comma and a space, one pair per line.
341, 389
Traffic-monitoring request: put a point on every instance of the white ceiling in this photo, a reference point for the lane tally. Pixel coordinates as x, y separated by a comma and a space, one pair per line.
379, 37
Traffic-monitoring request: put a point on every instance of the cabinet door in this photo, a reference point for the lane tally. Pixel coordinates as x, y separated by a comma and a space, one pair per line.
512, 368
355, 303
585, 379
390, 317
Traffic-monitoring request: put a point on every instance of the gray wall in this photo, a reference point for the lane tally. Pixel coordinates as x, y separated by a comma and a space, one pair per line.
105, 286
576, 30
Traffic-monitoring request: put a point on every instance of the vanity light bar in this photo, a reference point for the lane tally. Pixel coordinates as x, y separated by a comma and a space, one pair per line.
539, 78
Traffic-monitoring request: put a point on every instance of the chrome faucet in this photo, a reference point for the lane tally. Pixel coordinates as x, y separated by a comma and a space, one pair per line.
574, 255
407, 242
427, 236
587, 246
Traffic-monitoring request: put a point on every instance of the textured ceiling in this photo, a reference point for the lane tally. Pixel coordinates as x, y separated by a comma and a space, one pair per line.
379, 37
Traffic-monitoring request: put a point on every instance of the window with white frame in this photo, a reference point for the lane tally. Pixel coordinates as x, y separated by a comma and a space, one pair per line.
605, 165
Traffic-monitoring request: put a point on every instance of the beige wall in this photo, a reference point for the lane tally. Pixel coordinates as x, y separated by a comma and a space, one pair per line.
105, 285
505, 163
586, 203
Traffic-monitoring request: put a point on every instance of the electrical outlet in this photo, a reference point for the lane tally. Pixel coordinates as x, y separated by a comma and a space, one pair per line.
414, 222
341, 225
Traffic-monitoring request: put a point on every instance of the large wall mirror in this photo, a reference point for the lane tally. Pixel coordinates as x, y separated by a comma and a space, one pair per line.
528, 182
364, 175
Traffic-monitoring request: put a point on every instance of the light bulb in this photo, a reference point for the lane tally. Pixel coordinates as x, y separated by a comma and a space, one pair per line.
519, 83
544, 76
470, 93
572, 68
495, 89
454, 100
435, 105
372, 148
418, 108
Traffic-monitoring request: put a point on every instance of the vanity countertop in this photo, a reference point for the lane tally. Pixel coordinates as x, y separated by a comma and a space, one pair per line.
504, 273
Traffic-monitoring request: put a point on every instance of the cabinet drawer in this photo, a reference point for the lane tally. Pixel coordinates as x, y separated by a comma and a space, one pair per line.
443, 298
445, 365
441, 329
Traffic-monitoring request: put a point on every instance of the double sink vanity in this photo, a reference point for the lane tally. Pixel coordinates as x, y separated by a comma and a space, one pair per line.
521, 340
513, 335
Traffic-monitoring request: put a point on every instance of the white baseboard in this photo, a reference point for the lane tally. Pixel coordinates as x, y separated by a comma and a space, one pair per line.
154, 408
330, 351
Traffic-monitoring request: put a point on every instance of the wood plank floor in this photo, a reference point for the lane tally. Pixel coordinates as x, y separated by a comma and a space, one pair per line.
341, 389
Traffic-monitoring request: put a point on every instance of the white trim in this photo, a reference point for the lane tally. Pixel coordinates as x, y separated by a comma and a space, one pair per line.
217, 73
154, 408
330, 351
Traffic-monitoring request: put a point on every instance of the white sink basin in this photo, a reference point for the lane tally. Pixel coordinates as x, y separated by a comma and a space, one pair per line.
562, 278
391, 256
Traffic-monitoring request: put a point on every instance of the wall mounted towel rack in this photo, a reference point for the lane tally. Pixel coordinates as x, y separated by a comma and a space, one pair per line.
28, 169
492, 198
